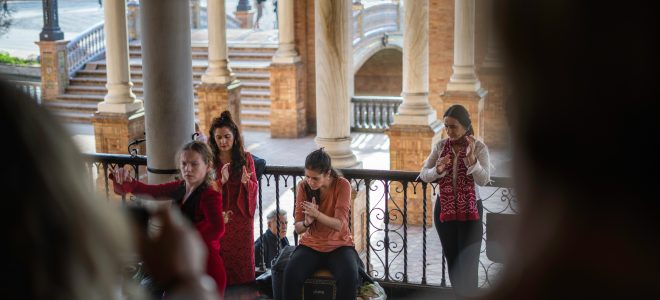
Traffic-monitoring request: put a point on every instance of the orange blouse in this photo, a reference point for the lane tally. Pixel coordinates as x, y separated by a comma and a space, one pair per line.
336, 203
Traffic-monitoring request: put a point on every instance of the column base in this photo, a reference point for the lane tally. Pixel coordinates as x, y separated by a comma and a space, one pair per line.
472, 101
246, 18
287, 108
339, 150
213, 99
409, 147
495, 126
114, 131
120, 108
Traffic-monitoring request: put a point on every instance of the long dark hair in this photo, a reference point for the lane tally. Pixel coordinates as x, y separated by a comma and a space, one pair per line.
461, 115
318, 161
237, 152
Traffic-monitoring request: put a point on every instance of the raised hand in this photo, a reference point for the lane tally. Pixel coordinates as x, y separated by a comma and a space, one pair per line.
224, 173
246, 175
311, 211
226, 215
121, 175
470, 154
442, 163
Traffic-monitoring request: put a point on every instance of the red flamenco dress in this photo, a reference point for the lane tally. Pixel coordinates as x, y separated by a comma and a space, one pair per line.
203, 208
241, 199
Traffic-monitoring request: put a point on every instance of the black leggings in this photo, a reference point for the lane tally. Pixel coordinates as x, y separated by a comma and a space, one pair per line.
305, 261
461, 241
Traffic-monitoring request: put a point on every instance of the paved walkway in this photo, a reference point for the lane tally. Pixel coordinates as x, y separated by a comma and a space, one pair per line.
75, 16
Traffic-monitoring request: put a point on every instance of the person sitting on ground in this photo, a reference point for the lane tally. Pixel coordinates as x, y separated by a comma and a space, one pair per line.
267, 242
322, 215
60, 240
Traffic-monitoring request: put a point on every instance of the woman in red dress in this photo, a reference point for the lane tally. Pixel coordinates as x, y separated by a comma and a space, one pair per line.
197, 197
238, 182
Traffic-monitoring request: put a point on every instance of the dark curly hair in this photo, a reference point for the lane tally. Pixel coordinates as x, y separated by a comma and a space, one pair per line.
237, 151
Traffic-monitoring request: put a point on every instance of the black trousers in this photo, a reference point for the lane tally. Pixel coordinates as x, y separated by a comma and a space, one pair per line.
461, 242
305, 261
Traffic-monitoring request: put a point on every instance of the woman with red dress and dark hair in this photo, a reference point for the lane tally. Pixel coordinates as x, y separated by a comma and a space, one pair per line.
238, 183
196, 196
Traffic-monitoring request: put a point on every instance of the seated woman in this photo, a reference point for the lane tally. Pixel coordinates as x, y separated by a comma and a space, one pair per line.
322, 214
197, 197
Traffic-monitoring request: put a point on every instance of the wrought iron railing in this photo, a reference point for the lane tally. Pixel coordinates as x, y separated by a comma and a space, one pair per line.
395, 250
373, 113
87, 46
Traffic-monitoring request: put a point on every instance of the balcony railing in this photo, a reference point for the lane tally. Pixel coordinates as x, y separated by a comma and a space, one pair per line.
395, 251
375, 20
87, 46
32, 88
373, 113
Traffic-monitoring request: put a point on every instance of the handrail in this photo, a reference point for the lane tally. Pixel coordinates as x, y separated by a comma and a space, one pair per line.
87, 46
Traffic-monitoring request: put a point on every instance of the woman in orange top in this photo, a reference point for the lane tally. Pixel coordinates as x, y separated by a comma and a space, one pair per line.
322, 208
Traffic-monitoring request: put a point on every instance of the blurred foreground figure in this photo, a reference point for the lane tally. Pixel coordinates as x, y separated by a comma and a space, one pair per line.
583, 79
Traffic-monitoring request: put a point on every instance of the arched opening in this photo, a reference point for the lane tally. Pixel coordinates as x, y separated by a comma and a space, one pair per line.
380, 75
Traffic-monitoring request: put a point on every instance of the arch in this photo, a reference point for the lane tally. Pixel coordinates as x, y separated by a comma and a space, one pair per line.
366, 48
381, 74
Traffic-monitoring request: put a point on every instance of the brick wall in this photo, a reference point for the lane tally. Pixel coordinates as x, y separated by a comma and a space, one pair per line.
304, 39
441, 49
382, 74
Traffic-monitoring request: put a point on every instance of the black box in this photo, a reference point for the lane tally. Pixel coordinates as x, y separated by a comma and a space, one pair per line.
320, 289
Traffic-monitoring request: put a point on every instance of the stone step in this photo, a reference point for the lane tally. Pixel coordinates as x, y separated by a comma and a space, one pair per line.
255, 114
78, 98
97, 81
254, 104
272, 48
255, 125
65, 105
261, 75
92, 89
255, 85
233, 56
73, 116
251, 93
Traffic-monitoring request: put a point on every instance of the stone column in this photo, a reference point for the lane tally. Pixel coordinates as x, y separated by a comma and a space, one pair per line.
120, 117
244, 13
219, 89
415, 128
167, 72
464, 87
287, 112
333, 74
